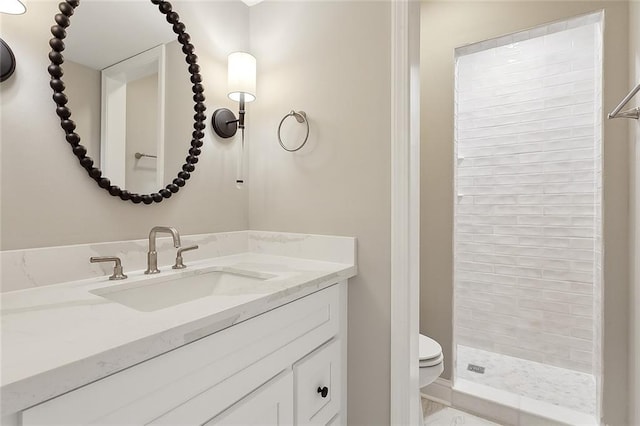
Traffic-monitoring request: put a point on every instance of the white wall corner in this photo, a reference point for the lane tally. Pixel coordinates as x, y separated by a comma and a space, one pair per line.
405, 214
634, 223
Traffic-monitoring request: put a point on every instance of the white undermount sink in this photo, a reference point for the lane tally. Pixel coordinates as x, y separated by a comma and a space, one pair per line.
161, 292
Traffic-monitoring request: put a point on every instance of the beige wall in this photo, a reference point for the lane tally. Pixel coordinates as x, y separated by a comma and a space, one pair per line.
450, 24
48, 199
332, 60
634, 125
84, 101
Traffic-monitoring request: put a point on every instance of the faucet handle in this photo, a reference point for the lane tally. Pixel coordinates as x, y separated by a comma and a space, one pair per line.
179, 264
118, 273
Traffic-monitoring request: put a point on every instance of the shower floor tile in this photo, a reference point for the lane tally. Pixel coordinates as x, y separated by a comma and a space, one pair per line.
558, 386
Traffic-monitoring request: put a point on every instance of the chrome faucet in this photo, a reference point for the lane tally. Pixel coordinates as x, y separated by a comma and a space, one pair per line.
152, 255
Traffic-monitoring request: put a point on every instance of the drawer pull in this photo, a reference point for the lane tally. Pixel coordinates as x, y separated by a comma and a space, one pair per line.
323, 391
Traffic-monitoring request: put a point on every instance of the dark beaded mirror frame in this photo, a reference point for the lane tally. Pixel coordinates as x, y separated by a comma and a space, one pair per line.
58, 31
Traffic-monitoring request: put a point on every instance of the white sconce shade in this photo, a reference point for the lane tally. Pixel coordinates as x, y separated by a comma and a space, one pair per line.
12, 7
242, 76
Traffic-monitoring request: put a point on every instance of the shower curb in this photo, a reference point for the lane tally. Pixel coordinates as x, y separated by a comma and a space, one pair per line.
516, 411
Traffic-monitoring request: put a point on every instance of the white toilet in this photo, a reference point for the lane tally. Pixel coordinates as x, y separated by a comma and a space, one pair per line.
431, 360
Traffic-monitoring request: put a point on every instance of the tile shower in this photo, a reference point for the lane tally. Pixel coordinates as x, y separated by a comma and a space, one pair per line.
527, 252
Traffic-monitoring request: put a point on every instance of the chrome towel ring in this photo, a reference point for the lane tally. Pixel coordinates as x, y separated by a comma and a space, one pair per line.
301, 117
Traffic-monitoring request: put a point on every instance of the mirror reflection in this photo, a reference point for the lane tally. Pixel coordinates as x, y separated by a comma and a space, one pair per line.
128, 87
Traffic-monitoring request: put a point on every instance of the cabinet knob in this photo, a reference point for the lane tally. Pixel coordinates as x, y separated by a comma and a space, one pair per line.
323, 391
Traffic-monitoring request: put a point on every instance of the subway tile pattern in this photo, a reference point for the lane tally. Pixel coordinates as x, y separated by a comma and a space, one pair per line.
528, 185
542, 382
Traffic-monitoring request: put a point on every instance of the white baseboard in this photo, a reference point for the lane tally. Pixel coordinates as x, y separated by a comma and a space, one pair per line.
438, 391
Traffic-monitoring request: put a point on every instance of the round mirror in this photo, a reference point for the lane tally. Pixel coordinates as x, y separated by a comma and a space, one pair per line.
133, 90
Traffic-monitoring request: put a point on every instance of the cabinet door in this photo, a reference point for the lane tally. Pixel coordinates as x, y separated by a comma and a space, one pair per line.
318, 385
336, 421
270, 404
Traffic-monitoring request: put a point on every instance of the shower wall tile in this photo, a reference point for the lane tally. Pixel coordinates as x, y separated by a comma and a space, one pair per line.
528, 184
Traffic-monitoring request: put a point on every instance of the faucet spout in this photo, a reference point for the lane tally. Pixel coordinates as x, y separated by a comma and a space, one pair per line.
166, 229
152, 255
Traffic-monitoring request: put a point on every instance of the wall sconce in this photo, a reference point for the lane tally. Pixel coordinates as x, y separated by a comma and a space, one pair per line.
12, 7
7, 60
241, 79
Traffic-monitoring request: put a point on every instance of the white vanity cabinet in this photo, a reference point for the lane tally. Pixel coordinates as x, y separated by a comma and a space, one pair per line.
286, 366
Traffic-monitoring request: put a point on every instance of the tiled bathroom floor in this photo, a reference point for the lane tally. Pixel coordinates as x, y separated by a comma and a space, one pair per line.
541, 382
440, 415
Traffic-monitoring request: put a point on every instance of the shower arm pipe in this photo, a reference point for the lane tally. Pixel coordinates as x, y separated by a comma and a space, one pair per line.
631, 113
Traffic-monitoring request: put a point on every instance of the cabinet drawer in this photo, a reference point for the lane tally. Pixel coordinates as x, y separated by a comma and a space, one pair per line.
147, 391
318, 385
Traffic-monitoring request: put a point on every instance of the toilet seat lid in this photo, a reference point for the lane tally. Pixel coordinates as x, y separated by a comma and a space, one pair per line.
431, 362
428, 348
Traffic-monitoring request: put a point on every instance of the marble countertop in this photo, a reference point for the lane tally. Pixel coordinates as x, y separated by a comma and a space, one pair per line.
59, 337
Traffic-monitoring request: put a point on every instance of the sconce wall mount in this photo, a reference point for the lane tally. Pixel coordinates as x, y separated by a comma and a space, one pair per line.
224, 123
7, 58
7, 61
